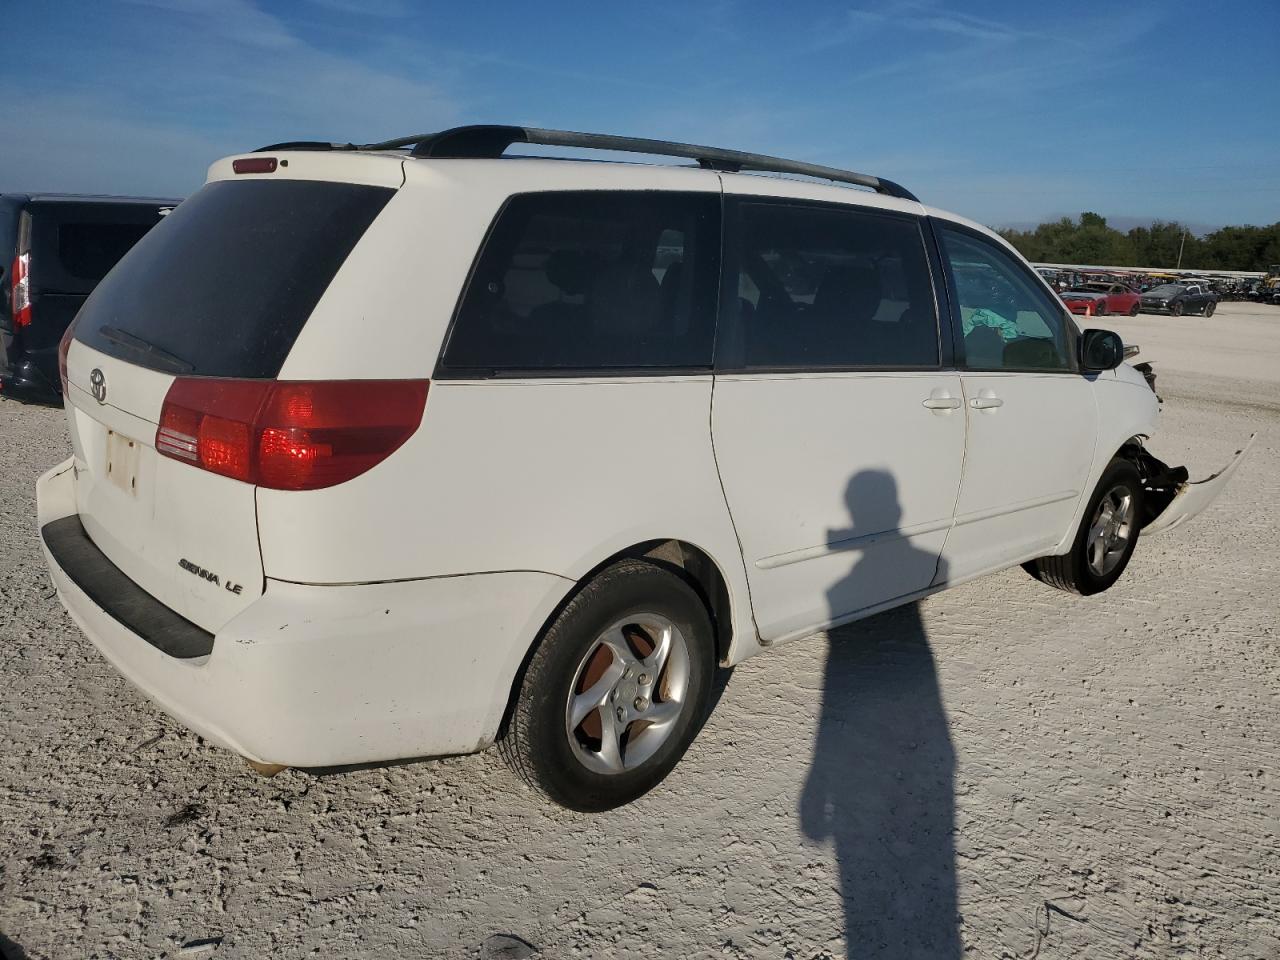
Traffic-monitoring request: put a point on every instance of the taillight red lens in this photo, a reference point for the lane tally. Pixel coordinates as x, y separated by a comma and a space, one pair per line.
64, 347
288, 435
21, 293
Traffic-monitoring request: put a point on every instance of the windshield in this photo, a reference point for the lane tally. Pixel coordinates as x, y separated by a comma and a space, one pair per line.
223, 285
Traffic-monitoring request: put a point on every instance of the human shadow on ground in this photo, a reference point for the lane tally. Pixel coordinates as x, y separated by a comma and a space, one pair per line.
10, 950
880, 787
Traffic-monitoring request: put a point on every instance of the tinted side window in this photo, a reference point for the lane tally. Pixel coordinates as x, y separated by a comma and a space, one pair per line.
592, 280
89, 250
825, 287
75, 244
1009, 321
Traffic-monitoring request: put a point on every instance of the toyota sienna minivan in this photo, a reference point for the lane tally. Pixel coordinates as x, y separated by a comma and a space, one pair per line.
405, 449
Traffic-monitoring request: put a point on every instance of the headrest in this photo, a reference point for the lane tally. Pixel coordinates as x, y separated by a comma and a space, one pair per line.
570, 270
850, 291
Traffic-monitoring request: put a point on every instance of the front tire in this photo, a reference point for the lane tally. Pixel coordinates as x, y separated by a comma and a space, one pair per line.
1209, 307
1175, 309
1106, 539
1133, 311
616, 691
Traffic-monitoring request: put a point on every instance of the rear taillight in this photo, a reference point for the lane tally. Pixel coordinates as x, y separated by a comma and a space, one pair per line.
288, 435
64, 347
21, 298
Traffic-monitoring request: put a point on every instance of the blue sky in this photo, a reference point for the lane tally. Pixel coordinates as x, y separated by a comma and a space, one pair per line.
1005, 111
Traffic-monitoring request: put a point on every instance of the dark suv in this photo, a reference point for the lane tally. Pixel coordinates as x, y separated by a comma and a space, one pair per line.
54, 248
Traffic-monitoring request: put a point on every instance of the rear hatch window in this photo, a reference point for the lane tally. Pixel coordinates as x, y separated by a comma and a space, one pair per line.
224, 285
74, 245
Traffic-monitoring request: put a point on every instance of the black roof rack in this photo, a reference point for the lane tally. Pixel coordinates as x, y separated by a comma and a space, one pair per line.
487, 141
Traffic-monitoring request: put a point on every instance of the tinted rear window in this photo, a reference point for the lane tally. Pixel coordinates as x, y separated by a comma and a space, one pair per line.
223, 286
74, 245
599, 280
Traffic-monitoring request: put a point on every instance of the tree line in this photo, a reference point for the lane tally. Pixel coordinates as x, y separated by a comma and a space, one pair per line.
1090, 240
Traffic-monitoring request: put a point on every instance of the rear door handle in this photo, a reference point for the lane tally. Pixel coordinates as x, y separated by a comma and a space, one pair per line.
986, 400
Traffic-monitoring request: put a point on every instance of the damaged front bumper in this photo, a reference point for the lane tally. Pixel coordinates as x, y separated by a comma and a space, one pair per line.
1171, 497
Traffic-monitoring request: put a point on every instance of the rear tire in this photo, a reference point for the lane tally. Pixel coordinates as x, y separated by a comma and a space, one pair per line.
1106, 539
599, 663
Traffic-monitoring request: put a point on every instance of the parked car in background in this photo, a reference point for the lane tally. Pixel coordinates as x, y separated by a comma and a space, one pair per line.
384, 453
1086, 303
54, 249
1052, 277
1116, 297
1098, 299
1177, 299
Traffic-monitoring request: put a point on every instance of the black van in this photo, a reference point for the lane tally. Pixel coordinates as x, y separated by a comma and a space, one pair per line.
54, 248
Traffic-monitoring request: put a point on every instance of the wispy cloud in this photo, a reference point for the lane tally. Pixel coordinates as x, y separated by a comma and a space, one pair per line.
237, 20
200, 79
924, 17
386, 9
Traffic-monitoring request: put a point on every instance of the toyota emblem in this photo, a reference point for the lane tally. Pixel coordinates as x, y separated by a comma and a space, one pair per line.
98, 385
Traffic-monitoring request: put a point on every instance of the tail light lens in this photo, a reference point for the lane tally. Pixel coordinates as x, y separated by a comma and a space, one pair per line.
64, 347
288, 435
21, 298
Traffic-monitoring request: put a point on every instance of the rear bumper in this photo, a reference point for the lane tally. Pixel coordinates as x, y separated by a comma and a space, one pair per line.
325, 675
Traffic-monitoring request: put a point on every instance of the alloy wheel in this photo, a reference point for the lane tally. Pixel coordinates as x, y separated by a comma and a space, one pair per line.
628, 694
1110, 531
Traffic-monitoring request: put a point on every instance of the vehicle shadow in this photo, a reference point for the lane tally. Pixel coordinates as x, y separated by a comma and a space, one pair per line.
880, 786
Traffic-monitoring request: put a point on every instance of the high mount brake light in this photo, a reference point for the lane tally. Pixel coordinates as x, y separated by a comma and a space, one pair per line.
254, 165
21, 293
288, 435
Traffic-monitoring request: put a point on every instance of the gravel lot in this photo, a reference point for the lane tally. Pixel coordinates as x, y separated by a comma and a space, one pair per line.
1002, 770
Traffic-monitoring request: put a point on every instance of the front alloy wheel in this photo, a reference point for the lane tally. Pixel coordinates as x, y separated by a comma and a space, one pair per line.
1111, 530
1105, 539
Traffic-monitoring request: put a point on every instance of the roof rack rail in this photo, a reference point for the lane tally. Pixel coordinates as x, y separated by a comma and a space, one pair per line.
491, 141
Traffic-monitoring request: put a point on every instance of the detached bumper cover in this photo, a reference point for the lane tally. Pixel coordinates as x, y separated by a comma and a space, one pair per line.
1190, 498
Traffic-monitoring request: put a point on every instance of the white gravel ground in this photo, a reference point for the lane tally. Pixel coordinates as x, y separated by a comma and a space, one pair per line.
1003, 770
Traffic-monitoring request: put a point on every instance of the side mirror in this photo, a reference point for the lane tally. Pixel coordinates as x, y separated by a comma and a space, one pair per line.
1100, 350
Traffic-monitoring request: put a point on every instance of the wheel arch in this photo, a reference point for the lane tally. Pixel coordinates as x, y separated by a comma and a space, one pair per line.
687, 560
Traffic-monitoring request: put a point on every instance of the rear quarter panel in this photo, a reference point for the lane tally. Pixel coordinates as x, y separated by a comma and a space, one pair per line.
552, 475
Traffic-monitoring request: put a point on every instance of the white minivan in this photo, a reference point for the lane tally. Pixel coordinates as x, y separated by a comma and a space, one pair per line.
403, 449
